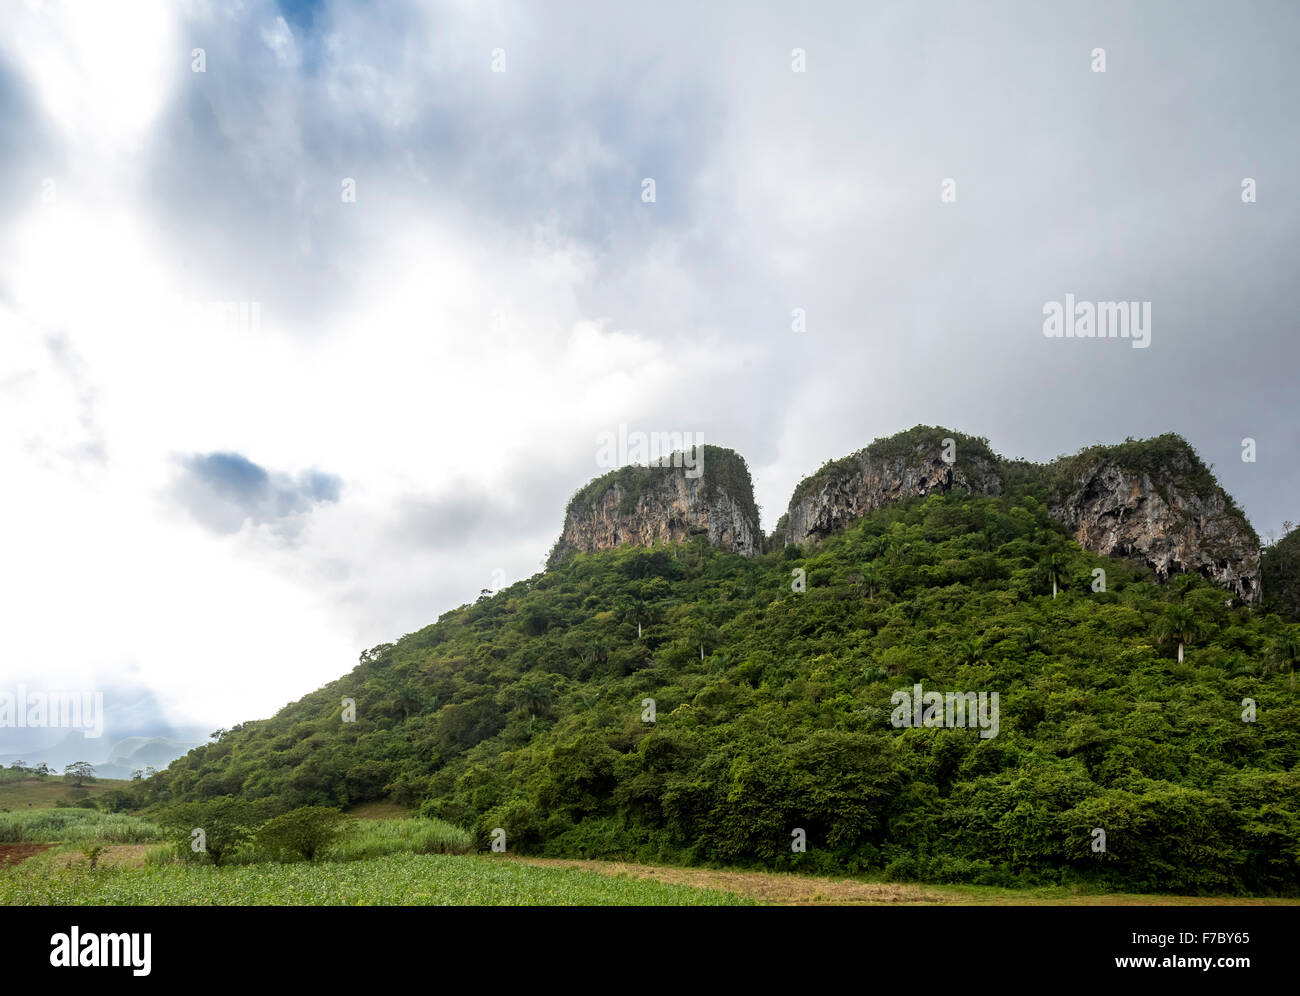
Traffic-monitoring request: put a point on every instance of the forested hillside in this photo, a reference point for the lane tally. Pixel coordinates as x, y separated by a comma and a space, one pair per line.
771, 680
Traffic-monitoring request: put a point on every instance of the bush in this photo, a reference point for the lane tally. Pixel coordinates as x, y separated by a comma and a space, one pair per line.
302, 833
226, 824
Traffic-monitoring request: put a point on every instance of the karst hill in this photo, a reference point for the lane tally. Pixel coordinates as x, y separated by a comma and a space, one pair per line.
1151, 500
677, 687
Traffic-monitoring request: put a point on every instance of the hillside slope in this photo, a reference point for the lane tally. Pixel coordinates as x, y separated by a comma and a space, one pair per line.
771, 679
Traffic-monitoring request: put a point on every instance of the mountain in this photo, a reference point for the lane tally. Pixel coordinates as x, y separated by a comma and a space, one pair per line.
915, 463
123, 758
691, 701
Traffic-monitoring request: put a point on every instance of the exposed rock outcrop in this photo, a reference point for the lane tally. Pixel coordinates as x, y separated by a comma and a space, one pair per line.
1151, 500
913, 463
662, 504
1157, 502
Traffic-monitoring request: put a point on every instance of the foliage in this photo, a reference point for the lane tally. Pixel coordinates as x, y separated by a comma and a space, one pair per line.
1280, 575
302, 832
79, 772
222, 825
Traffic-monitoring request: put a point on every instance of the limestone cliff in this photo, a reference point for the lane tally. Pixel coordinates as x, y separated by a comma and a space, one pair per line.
1151, 500
913, 463
1156, 501
662, 504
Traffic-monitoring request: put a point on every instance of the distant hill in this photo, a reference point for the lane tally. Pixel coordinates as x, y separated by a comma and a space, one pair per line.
122, 759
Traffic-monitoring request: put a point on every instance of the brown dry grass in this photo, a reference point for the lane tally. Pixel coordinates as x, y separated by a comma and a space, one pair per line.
769, 887
803, 890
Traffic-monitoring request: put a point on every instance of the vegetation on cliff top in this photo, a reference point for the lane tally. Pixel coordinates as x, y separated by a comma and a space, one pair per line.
925, 441
1166, 460
1280, 575
724, 471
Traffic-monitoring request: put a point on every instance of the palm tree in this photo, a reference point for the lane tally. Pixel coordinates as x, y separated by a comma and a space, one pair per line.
1180, 624
1052, 568
869, 580
1284, 649
535, 696
1031, 637
970, 650
635, 610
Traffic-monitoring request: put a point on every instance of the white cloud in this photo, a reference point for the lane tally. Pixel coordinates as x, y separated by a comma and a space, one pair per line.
450, 344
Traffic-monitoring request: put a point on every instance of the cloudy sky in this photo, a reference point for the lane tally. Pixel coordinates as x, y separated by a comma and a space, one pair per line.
301, 350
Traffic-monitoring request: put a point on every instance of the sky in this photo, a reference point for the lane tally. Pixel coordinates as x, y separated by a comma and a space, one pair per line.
312, 314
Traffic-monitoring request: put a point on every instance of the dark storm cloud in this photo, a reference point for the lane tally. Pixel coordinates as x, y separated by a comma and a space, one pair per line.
247, 164
224, 490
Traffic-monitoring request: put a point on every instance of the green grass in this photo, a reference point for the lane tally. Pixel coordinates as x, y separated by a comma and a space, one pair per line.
381, 810
377, 838
396, 880
43, 826
44, 793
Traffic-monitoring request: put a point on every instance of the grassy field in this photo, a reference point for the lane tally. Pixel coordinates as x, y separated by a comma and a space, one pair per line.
43, 793
416, 862
79, 826
396, 880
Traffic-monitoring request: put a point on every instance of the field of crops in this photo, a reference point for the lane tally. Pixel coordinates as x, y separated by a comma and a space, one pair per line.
395, 880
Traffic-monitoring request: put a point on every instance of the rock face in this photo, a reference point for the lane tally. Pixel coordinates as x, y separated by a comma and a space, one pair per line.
1175, 519
904, 466
1151, 500
661, 504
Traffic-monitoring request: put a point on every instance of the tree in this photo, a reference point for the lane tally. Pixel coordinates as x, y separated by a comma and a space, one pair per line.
971, 649
225, 823
869, 578
1181, 625
1052, 569
1284, 650
302, 833
79, 772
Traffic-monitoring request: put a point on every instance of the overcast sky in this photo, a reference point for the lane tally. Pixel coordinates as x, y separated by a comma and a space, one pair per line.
223, 511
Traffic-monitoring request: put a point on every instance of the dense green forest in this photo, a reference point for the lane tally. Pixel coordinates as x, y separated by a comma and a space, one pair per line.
528, 711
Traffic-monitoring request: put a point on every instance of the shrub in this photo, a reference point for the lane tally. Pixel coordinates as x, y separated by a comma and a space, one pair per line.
302, 833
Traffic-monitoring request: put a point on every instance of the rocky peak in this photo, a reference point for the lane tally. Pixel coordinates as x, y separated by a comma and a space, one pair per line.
913, 463
666, 502
1156, 501
1151, 500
